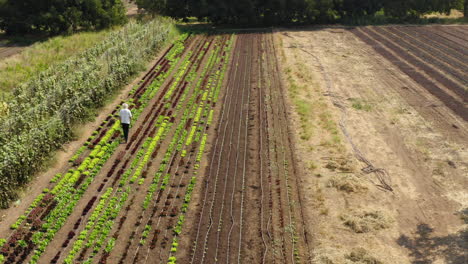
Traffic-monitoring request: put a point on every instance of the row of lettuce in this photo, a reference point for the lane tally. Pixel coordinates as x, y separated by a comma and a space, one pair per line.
186, 149
98, 228
165, 182
44, 109
168, 181
196, 96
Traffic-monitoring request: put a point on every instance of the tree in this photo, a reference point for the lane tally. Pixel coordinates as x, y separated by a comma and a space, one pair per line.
57, 16
465, 9
178, 9
416, 8
357, 8
274, 12
152, 6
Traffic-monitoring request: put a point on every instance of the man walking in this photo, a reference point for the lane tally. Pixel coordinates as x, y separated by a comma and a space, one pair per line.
125, 117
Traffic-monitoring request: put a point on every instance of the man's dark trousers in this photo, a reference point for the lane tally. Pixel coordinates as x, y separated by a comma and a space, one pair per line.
125, 128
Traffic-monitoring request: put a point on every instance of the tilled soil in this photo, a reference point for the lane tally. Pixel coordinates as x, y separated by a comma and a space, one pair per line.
445, 80
249, 206
365, 99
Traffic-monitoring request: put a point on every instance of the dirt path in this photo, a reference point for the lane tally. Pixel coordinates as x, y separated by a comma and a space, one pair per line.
6, 52
336, 81
132, 8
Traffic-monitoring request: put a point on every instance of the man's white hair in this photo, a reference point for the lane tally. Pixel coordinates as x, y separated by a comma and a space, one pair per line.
125, 106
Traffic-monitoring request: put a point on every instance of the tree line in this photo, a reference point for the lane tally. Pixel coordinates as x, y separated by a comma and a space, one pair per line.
58, 16
271, 12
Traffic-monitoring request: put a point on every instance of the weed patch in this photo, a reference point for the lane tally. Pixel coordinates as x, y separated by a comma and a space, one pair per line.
366, 221
359, 104
360, 255
347, 182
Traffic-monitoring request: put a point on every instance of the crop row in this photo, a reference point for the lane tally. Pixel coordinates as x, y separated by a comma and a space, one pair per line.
105, 220
139, 163
164, 176
214, 83
96, 150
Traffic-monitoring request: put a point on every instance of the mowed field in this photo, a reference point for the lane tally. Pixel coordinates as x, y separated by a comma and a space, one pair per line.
381, 119
208, 175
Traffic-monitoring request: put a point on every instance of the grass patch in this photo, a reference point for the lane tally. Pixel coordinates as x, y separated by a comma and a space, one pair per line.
314, 117
304, 110
41, 55
313, 111
340, 164
335, 255
303, 107
360, 255
312, 166
327, 123
359, 104
347, 182
365, 221
318, 197
324, 211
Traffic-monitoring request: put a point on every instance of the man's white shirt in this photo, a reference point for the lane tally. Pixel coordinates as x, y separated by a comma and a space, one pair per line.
125, 116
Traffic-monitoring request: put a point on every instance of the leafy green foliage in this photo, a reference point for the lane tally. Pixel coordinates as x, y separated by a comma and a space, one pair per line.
272, 12
56, 16
358, 8
415, 8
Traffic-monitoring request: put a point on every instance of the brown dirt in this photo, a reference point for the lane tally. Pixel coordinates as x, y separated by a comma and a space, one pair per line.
398, 126
248, 207
436, 78
132, 8
6, 52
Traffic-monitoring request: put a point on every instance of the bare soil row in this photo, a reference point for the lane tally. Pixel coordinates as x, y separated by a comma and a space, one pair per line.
444, 81
249, 207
